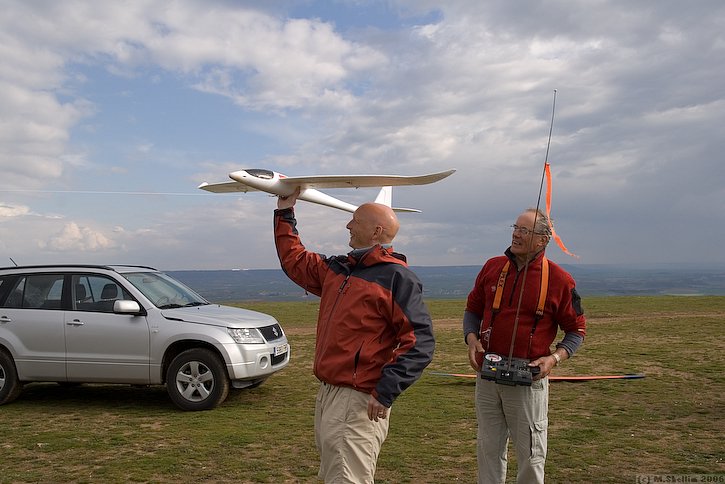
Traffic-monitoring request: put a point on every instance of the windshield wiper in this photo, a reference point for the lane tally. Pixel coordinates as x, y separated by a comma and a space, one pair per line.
187, 305
171, 306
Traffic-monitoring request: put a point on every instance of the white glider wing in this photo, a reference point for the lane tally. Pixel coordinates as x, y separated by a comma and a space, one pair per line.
362, 181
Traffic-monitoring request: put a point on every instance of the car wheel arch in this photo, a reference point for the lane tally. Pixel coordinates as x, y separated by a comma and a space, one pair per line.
178, 347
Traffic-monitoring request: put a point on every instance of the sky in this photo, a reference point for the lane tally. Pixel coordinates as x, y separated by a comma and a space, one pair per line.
112, 114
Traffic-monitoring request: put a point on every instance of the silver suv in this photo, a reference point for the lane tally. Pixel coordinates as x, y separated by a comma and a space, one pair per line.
133, 325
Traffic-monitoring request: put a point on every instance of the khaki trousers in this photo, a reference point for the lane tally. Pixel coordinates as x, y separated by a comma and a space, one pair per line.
348, 442
518, 412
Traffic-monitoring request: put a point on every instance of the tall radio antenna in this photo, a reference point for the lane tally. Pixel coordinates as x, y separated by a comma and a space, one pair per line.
531, 238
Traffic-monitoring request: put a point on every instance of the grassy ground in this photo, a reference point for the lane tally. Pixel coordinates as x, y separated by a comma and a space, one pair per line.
608, 431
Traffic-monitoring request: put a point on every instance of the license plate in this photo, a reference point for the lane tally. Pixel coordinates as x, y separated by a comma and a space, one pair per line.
280, 349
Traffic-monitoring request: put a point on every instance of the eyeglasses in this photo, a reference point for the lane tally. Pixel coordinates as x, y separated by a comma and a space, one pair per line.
525, 231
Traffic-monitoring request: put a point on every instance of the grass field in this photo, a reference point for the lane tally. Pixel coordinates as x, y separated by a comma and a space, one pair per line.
669, 423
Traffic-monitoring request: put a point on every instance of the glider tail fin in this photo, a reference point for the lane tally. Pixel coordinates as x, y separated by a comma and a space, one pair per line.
385, 197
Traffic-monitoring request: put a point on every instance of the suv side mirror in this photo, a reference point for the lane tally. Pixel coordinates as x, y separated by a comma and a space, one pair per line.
127, 307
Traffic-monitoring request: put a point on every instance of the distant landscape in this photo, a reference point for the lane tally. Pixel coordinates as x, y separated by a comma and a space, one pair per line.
454, 282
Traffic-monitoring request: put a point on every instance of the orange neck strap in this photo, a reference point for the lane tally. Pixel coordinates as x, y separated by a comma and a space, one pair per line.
543, 288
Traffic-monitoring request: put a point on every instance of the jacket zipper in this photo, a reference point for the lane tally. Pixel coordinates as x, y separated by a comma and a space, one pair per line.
339, 295
354, 371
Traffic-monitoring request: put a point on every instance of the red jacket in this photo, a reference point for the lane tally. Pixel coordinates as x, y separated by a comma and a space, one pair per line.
374, 332
562, 309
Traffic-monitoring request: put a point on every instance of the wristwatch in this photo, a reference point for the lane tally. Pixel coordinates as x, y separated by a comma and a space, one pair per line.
557, 358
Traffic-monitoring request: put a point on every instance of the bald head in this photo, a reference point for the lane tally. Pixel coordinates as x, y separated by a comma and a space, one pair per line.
372, 223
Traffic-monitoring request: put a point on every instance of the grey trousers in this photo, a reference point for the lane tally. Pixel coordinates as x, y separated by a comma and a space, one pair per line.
516, 412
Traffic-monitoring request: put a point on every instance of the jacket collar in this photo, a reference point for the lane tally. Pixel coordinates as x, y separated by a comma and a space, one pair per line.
535, 260
376, 254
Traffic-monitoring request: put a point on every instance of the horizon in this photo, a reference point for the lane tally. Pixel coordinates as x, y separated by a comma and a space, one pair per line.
640, 266
701, 266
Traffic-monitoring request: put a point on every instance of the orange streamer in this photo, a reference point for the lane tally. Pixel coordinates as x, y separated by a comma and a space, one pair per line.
547, 170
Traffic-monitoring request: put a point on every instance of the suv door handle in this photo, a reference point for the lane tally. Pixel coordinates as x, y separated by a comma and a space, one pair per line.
5, 319
75, 322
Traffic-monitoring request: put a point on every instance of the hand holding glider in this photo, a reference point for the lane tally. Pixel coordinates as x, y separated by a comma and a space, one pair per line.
288, 201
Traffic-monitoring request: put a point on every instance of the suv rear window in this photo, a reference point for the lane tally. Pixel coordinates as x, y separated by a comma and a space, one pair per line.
36, 291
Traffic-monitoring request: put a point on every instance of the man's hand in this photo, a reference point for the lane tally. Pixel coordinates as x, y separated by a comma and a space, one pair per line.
288, 201
546, 364
376, 409
475, 348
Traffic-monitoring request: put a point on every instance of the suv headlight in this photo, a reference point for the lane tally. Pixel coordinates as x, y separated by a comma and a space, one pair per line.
246, 335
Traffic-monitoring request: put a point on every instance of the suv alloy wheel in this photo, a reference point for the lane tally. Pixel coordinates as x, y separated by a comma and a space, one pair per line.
197, 380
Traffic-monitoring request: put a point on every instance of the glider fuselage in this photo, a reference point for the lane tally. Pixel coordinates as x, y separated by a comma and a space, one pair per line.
269, 181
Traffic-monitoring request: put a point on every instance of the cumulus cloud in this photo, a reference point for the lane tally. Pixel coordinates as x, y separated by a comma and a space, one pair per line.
75, 238
10, 211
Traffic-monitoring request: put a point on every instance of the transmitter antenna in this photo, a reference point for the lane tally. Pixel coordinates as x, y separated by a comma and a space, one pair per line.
531, 238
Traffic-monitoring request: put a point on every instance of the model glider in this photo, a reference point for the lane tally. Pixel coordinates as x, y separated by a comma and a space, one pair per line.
280, 185
557, 377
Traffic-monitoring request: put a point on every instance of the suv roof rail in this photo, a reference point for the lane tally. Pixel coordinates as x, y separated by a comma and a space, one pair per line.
88, 266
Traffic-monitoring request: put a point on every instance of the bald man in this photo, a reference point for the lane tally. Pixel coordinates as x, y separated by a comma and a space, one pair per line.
374, 335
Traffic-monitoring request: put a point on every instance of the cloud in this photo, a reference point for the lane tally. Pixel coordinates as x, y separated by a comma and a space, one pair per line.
75, 238
10, 211
34, 131
257, 59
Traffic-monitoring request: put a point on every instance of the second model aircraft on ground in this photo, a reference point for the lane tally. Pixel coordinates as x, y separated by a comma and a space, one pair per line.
257, 179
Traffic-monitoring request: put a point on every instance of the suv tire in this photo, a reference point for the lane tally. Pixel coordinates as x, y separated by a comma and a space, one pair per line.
197, 380
10, 386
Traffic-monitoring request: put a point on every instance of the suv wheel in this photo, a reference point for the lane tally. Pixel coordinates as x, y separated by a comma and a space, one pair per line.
10, 386
197, 380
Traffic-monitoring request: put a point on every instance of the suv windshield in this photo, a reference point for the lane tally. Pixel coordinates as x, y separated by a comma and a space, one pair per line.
164, 291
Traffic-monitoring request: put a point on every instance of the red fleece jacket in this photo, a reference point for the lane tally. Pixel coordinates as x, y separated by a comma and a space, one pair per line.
562, 309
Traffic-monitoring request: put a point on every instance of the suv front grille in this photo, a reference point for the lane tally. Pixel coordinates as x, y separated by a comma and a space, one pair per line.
272, 333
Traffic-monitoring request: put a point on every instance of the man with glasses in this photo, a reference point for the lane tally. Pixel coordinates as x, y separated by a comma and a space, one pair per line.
517, 304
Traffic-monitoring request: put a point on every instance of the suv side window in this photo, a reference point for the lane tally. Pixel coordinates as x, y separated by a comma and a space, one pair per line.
5, 282
96, 293
14, 297
36, 291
